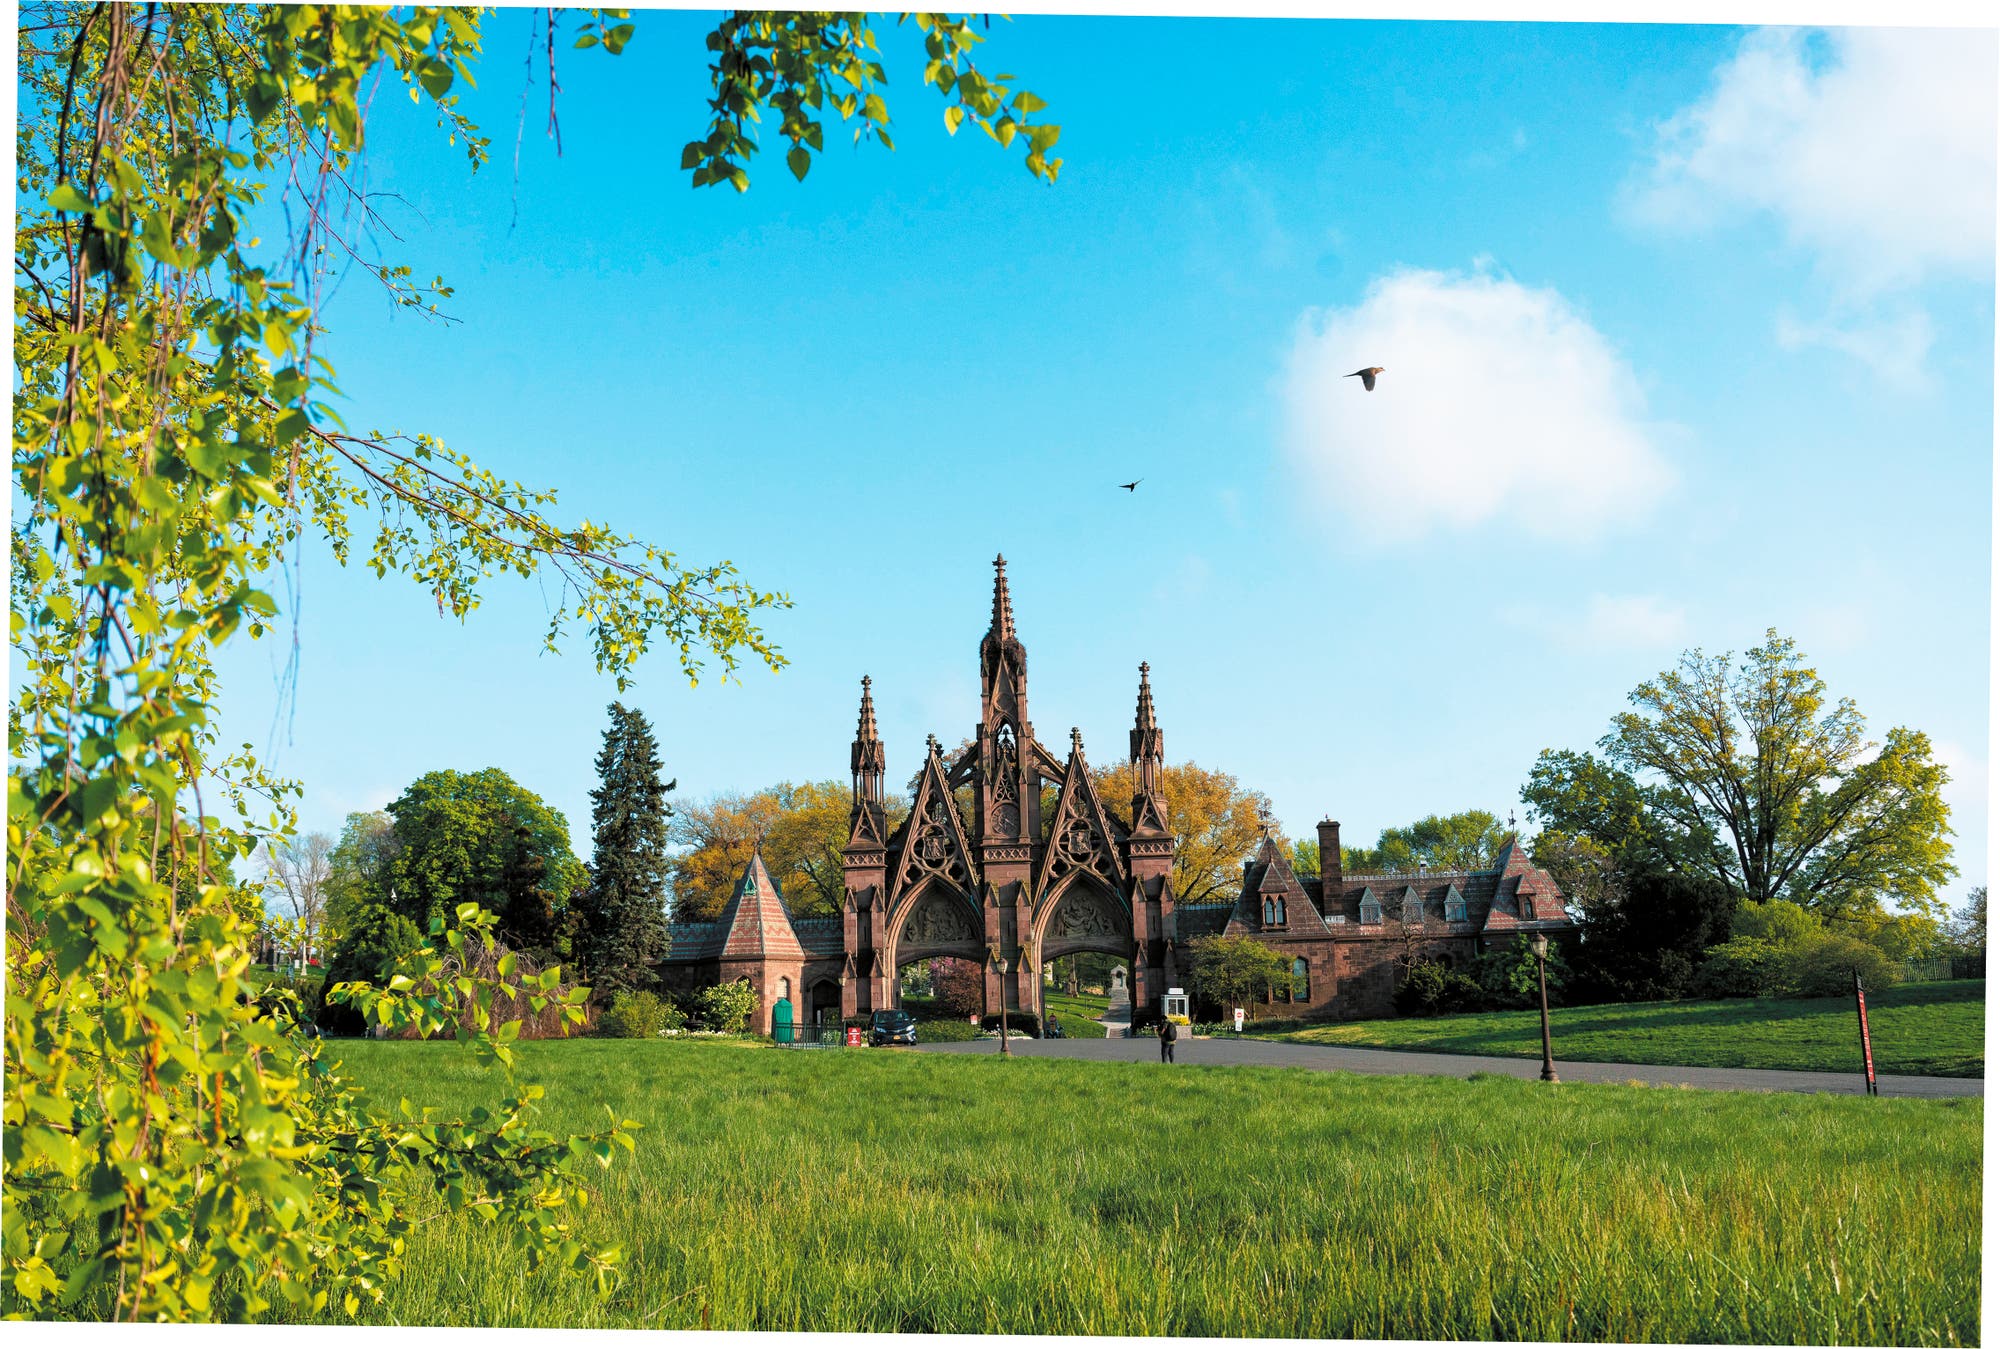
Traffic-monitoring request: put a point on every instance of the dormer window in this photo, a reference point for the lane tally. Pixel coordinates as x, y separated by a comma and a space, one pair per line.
1413, 909
1371, 908
1454, 906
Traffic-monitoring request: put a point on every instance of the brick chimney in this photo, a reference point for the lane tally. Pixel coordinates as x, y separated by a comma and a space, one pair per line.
1329, 860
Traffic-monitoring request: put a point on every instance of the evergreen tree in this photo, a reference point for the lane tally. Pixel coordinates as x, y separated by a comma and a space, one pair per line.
623, 927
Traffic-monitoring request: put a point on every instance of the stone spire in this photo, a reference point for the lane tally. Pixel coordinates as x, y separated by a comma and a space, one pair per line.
868, 759
867, 822
1148, 756
1003, 603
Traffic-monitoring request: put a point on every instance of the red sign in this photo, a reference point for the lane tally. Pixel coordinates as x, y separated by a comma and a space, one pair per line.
854, 1035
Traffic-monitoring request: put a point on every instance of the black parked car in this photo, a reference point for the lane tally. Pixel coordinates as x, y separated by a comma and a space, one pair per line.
892, 1028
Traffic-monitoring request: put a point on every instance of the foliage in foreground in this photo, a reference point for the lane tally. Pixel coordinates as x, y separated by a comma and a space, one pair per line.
171, 1151
877, 1191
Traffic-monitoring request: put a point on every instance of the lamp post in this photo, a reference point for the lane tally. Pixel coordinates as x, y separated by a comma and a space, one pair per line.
1540, 946
1000, 964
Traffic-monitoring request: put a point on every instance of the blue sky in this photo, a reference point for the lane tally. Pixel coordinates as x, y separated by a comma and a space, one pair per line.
1688, 333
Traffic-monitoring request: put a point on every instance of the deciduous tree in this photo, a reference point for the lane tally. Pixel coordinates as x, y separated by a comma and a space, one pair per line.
1217, 824
173, 448
1235, 971
1810, 810
298, 872
802, 827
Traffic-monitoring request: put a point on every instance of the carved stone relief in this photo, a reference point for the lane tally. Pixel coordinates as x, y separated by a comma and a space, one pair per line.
937, 921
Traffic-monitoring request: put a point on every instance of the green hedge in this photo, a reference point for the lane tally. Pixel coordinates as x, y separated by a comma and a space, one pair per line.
939, 1032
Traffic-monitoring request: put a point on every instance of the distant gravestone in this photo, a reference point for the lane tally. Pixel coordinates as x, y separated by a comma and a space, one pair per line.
1119, 993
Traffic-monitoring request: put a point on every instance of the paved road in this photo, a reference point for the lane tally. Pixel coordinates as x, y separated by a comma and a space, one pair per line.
1336, 1058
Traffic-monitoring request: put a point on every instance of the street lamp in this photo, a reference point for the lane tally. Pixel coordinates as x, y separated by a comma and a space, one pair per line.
1000, 964
1539, 944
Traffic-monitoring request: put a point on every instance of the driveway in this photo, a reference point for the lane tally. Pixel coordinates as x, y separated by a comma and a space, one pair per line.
1340, 1059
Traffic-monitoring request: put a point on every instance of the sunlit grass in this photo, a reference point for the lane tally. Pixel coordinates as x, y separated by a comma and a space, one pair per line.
1934, 1030
858, 1190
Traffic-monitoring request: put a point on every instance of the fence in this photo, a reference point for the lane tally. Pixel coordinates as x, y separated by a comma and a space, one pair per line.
1945, 967
827, 1035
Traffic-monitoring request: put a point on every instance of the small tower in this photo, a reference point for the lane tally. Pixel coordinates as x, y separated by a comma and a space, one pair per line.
1008, 806
864, 863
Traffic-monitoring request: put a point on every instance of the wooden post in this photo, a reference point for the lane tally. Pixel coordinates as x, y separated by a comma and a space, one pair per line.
1867, 1050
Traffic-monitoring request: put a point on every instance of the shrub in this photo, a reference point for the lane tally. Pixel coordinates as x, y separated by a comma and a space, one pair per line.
633, 1016
1431, 987
939, 1032
1817, 964
958, 987
1742, 967
1826, 966
1506, 976
726, 1007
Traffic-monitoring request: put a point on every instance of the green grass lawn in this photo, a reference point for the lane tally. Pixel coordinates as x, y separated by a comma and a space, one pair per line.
1078, 1015
1934, 1030
856, 1190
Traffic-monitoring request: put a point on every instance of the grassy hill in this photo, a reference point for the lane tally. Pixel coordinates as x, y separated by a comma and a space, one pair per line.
857, 1190
1934, 1030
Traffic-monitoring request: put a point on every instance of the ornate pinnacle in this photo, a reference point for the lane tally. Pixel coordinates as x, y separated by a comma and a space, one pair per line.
1003, 603
868, 759
932, 741
865, 729
1145, 720
1075, 741
1147, 745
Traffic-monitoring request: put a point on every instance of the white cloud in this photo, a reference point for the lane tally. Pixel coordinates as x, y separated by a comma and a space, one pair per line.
1624, 621
1874, 147
1894, 349
1497, 400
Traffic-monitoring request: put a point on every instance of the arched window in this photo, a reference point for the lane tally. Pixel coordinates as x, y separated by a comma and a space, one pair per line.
1269, 911
784, 987
1301, 980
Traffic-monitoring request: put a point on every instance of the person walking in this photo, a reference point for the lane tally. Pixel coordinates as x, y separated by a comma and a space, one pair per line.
1168, 1032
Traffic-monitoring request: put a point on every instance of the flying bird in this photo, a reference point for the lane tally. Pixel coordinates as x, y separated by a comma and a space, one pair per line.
1133, 485
1367, 377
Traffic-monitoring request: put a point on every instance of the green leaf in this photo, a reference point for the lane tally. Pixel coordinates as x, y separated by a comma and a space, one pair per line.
67, 198
799, 160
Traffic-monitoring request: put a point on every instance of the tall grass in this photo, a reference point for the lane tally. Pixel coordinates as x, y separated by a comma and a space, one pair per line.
878, 1191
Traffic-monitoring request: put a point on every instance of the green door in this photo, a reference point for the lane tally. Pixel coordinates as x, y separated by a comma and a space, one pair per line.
781, 1021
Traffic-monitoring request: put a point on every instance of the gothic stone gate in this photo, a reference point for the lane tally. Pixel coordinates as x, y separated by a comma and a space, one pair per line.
1006, 883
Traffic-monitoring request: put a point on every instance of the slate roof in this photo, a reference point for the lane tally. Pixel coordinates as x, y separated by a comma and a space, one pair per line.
757, 922
1510, 894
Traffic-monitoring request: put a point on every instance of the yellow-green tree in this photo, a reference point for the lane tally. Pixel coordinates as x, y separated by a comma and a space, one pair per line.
171, 1153
1216, 822
802, 826
1809, 809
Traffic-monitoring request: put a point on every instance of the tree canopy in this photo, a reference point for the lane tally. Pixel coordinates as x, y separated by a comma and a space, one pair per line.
1806, 807
803, 827
481, 838
1217, 824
